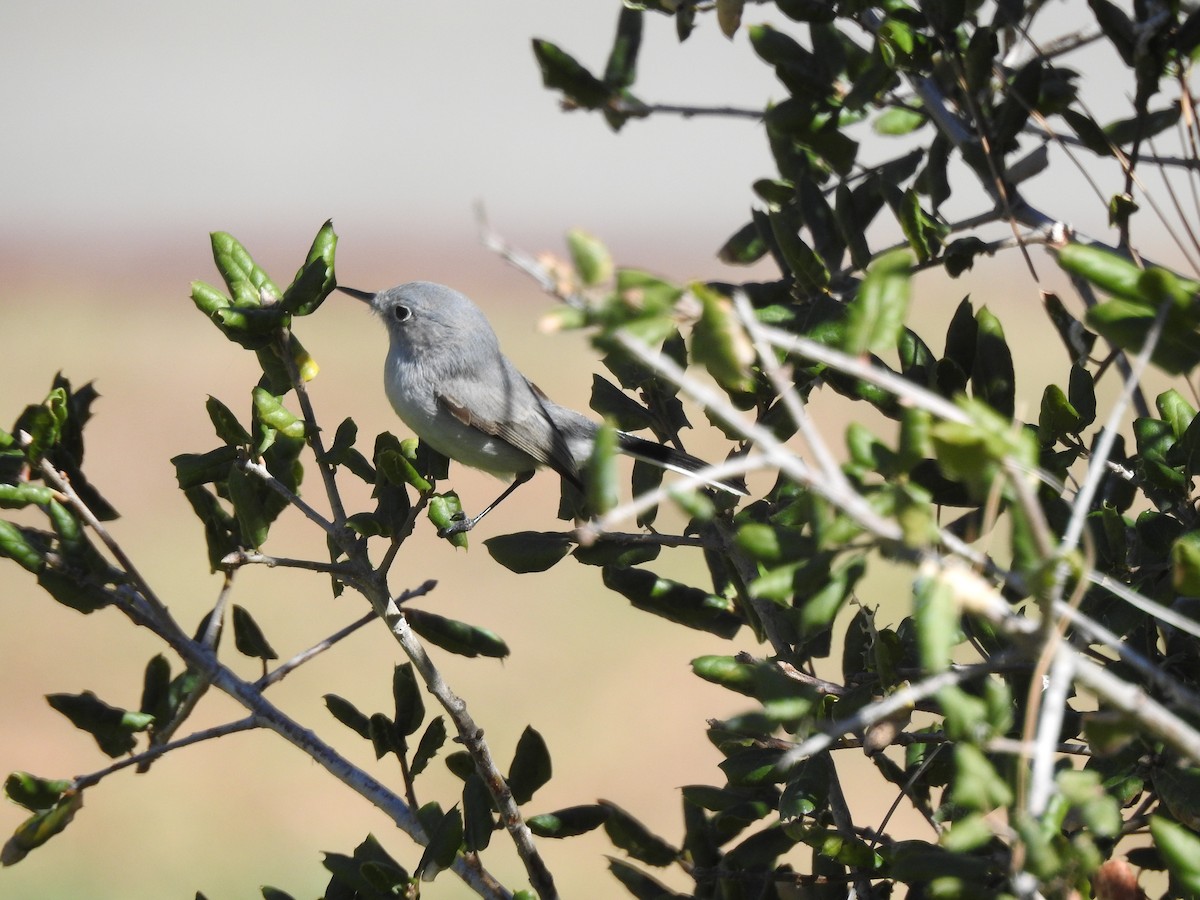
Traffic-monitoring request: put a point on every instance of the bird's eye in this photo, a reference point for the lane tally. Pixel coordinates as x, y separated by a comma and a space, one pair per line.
401, 313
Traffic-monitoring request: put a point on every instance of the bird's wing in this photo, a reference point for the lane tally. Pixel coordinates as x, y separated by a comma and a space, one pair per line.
534, 432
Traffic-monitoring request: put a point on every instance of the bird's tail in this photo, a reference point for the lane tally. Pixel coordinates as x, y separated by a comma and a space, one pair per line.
675, 460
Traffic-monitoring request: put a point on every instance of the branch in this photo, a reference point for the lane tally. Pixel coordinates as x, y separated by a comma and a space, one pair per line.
471, 736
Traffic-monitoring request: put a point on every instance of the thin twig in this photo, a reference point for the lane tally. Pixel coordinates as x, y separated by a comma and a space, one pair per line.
243, 557
472, 738
143, 759
312, 432
280, 672
293, 499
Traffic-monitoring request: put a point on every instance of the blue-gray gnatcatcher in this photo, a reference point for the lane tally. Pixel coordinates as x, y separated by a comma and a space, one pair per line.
447, 379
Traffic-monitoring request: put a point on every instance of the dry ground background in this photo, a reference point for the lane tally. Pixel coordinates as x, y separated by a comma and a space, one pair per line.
133, 129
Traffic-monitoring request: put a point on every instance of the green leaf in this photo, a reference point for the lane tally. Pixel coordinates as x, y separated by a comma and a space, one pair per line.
562, 72
247, 283
925, 232
530, 767
346, 713
744, 247
398, 470
249, 638
1185, 564
315, 279
444, 511
273, 413
528, 551
226, 424
457, 637
112, 727
568, 822
16, 496
410, 707
877, 312
1057, 417
445, 841
677, 602
1126, 324
728, 672
621, 71
1180, 849
720, 343
593, 263
638, 883
431, 742
899, 120
35, 793
636, 839
195, 469
254, 523
600, 477
39, 828
370, 872
15, 546
977, 785
478, 820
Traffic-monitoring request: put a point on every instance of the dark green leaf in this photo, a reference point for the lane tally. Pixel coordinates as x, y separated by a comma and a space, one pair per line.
744, 247
562, 72
35, 793
248, 637
457, 637
638, 883
636, 839
431, 742
194, 469
569, 822
530, 767
39, 828
621, 71
346, 713
410, 707
478, 820
528, 551
445, 840
112, 727
686, 605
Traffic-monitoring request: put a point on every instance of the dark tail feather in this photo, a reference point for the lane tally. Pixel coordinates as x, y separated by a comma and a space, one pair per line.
670, 458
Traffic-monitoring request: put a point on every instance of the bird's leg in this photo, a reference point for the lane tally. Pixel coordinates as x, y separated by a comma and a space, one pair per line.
465, 524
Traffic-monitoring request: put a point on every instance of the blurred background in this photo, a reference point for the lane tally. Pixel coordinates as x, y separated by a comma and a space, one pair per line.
132, 130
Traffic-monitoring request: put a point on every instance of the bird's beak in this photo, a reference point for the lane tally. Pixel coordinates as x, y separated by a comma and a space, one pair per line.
366, 297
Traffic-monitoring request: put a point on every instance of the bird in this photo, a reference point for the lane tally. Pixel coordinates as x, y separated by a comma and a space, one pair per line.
448, 380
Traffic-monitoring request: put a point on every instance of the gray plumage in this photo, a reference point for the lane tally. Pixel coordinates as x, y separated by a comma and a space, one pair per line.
448, 380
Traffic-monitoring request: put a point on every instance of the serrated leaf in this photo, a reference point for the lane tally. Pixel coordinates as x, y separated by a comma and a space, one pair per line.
431, 742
